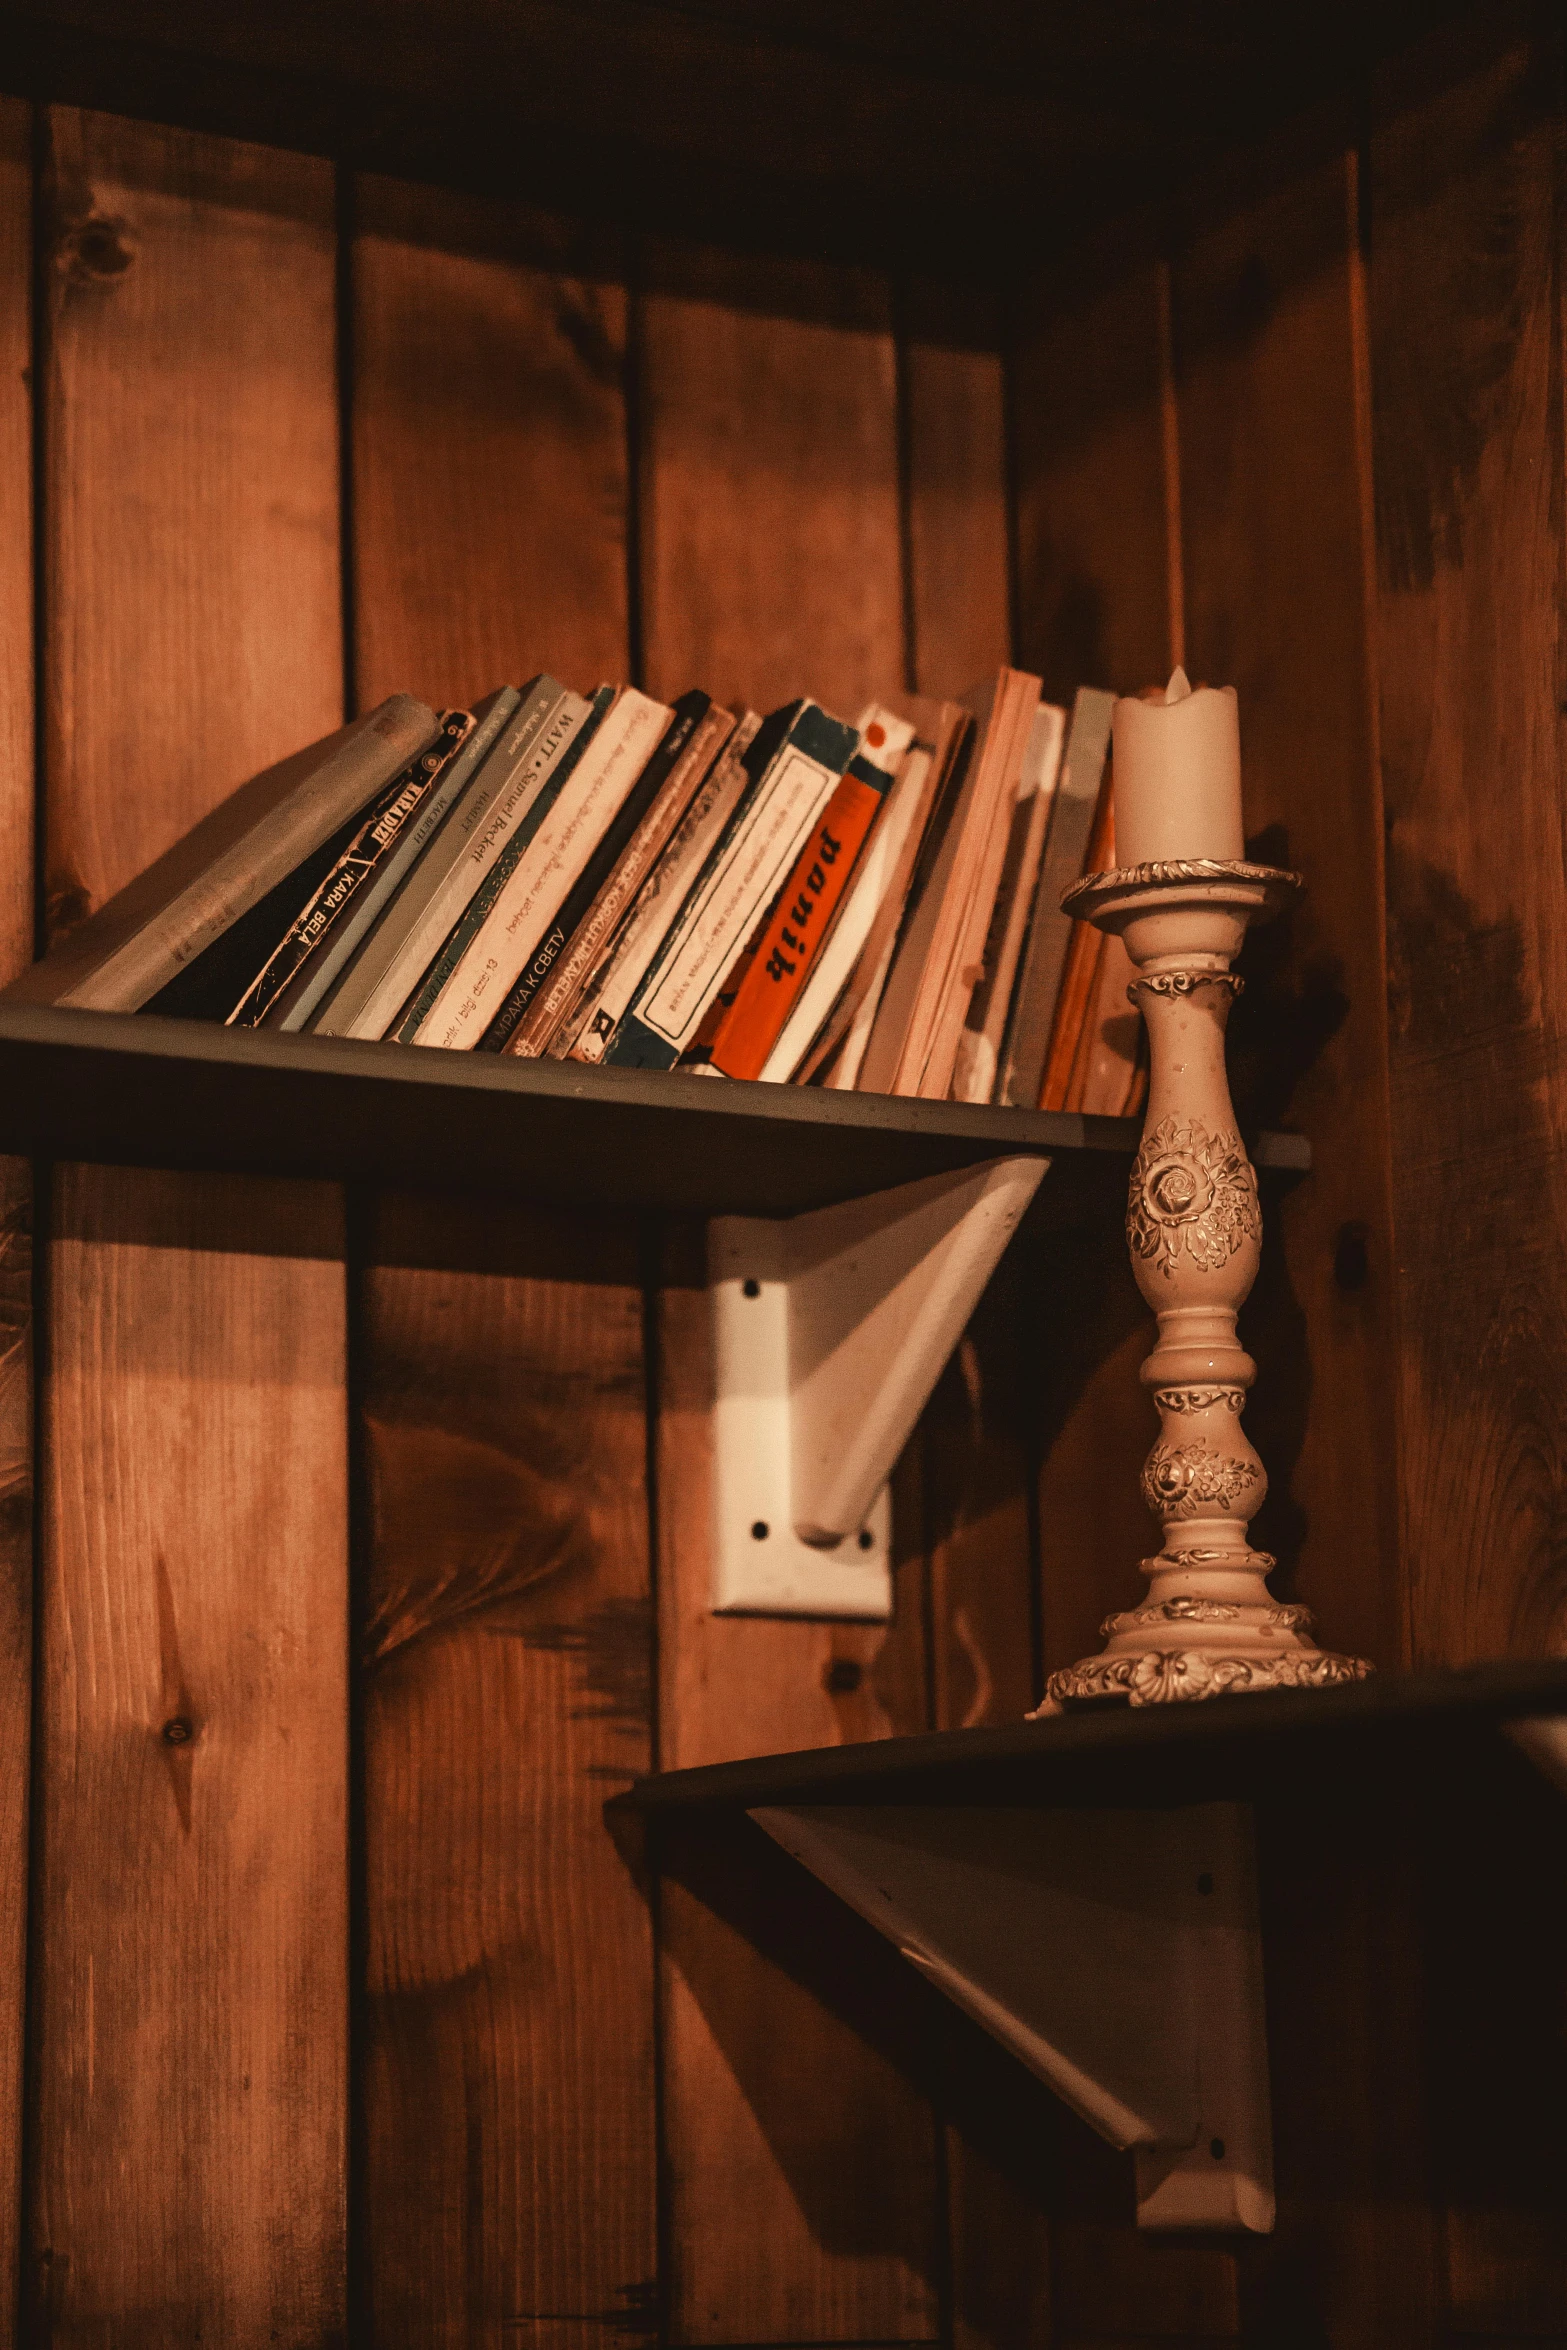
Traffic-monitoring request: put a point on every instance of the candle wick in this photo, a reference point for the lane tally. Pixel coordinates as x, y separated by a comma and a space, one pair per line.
1179, 687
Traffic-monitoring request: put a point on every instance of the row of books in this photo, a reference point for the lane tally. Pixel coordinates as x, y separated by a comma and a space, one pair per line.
606, 878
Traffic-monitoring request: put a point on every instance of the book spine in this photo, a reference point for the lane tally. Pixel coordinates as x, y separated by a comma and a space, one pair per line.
662, 900
797, 929
1016, 703
889, 1038
559, 751
837, 1027
591, 881
979, 1046
558, 1002
374, 993
548, 869
1045, 951
373, 902
1080, 978
745, 872
377, 836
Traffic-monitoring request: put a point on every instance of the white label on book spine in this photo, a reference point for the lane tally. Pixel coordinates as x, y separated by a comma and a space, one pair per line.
658, 904
545, 872
495, 805
737, 894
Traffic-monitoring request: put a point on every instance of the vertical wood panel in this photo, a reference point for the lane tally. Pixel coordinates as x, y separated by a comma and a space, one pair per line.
1466, 368
1095, 574
799, 2162
975, 1449
16, 946
1093, 585
800, 2165
510, 2138
189, 2036
193, 629
489, 348
509, 2095
769, 483
958, 533
16, 574
1277, 533
190, 2046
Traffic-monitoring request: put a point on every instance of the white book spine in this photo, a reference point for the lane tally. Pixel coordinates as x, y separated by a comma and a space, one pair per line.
444, 909
979, 1047
737, 892
545, 872
656, 908
853, 926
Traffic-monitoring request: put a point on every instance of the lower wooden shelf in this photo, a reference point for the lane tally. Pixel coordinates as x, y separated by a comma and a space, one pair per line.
1085, 1889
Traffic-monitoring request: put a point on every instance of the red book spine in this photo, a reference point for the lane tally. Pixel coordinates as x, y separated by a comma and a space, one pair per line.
801, 918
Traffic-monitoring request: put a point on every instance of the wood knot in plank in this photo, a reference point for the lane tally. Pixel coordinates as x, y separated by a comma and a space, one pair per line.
94, 250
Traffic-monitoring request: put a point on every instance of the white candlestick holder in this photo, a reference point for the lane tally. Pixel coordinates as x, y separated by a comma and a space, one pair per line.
1209, 1624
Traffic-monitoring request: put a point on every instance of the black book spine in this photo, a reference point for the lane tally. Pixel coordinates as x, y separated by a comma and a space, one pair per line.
688, 712
375, 836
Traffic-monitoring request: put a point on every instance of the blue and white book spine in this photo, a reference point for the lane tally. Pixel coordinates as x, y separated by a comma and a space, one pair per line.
746, 872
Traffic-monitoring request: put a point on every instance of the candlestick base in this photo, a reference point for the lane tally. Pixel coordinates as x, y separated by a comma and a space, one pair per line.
1194, 1229
1164, 1654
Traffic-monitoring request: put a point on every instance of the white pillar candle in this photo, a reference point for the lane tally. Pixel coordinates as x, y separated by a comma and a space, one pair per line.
1178, 774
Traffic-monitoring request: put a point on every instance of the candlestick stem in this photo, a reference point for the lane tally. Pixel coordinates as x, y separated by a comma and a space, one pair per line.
1209, 1623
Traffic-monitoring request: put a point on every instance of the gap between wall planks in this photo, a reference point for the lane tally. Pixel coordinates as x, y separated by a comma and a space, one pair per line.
509, 2101
1277, 523
1466, 215
188, 2056
16, 1304
799, 2173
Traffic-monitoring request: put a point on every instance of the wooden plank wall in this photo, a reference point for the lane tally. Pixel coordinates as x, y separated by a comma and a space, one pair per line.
361, 2027
1324, 419
1466, 208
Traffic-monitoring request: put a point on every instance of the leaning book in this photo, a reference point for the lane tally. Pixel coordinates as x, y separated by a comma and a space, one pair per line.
254, 842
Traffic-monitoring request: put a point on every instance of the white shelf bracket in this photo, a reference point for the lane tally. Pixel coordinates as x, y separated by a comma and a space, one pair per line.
830, 1331
1117, 1954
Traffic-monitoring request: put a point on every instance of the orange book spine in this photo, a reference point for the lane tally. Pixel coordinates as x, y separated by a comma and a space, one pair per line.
1088, 1032
785, 949
1079, 980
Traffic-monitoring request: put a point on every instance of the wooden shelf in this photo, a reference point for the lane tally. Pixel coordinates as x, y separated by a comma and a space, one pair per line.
1411, 1728
145, 1092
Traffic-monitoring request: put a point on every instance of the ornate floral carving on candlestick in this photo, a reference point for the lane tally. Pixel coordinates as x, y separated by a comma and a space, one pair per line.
1193, 1226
